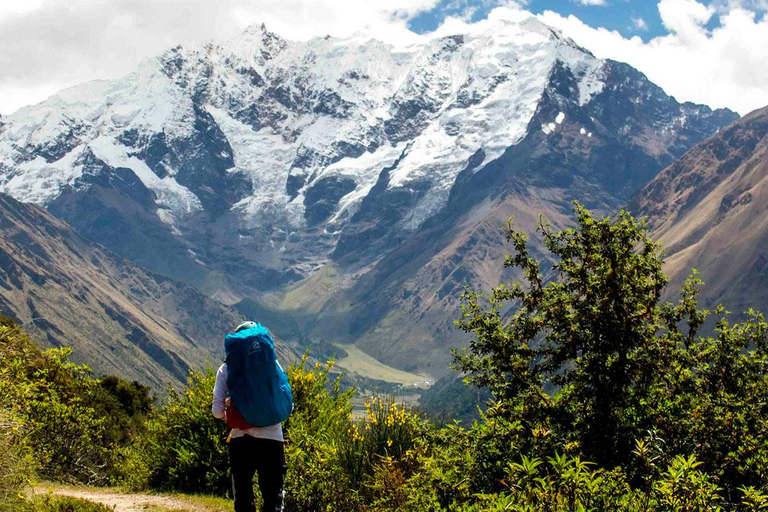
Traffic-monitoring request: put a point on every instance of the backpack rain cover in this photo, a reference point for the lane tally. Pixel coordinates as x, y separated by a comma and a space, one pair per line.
257, 385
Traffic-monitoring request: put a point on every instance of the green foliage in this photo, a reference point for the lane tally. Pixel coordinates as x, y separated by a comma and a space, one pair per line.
448, 468
586, 332
183, 447
713, 400
317, 430
70, 421
684, 488
568, 484
451, 399
126, 404
753, 500
386, 434
593, 363
16, 469
53, 503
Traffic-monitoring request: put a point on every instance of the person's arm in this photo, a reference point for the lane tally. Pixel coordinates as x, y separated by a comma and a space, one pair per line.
218, 407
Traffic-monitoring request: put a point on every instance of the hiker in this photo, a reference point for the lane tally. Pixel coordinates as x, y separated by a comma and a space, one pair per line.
253, 396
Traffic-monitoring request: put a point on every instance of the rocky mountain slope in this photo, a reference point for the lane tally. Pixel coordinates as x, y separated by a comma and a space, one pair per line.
119, 318
345, 188
708, 210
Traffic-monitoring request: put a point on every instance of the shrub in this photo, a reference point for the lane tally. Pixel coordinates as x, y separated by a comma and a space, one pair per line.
17, 466
683, 488
184, 447
91, 419
386, 434
53, 503
48, 394
445, 469
317, 431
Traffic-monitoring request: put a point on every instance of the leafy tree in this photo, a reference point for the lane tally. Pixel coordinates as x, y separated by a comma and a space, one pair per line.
591, 362
590, 331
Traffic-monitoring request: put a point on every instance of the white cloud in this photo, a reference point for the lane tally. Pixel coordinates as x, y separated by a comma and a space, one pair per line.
639, 23
513, 11
591, 2
723, 67
685, 18
50, 44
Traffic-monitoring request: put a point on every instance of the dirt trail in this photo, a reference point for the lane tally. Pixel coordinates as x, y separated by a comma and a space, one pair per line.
131, 502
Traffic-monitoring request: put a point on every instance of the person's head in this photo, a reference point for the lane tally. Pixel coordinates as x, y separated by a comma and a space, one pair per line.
245, 325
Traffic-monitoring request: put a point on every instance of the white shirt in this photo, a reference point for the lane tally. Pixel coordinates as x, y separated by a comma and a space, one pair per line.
220, 392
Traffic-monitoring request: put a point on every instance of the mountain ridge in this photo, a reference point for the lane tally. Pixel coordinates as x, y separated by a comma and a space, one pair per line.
246, 167
119, 318
706, 209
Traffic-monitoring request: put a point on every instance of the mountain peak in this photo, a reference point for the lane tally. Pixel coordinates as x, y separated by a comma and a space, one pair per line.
291, 138
255, 28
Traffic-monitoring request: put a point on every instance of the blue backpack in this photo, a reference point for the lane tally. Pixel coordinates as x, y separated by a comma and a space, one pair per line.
258, 387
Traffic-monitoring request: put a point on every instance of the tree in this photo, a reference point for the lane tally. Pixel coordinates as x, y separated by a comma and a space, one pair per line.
588, 331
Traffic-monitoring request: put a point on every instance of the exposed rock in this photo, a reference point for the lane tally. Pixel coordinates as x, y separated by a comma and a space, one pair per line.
708, 211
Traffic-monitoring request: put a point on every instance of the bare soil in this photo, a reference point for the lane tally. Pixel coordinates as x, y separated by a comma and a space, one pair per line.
123, 502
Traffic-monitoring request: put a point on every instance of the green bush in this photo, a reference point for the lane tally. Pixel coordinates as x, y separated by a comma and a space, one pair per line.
73, 423
683, 488
16, 469
386, 434
713, 402
183, 447
317, 431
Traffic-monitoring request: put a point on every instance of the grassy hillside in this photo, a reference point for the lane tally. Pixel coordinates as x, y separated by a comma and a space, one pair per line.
120, 318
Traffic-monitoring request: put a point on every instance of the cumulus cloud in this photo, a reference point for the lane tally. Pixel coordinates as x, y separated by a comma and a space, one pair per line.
723, 67
512, 11
50, 44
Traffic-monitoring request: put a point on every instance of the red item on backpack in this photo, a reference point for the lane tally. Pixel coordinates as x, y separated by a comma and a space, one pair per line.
235, 419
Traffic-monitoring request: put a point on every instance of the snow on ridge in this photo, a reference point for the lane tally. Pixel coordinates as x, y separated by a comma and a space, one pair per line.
477, 90
265, 158
39, 182
371, 76
171, 196
144, 99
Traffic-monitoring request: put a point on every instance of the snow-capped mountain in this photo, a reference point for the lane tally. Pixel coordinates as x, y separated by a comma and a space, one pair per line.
249, 164
297, 131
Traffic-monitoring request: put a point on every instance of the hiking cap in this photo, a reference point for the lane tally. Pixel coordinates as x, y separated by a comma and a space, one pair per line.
245, 325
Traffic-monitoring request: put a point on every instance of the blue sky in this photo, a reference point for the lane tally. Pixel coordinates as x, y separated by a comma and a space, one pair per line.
629, 17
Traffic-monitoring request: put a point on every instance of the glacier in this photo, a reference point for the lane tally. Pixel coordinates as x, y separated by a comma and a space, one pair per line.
298, 113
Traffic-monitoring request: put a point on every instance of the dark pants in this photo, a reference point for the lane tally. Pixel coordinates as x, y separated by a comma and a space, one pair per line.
249, 455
